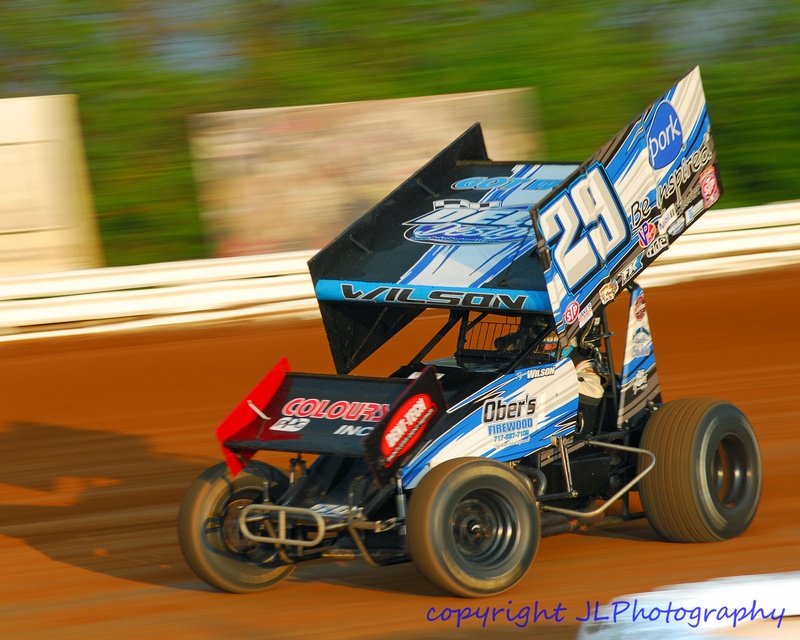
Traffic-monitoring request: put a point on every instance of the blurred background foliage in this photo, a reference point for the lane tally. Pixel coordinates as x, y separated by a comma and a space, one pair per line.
141, 67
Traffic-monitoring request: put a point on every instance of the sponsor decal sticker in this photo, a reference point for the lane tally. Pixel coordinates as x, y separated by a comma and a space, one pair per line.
497, 409
571, 312
688, 168
630, 270
639, 308
406, 426
509, 421
642, 343
666, 220
456, 221
646, 234
289, 424
482, 183
542, 372
353, 430
511, 432
677, 227
608, 292
664, 137
640, 381
457, 233
338, 410
692, 212
585, 315
660, 243
444, 297
640, 211
708, 186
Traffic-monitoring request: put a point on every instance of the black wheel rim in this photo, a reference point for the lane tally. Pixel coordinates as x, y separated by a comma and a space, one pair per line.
224, 531
230, 531
485, 528
729, 471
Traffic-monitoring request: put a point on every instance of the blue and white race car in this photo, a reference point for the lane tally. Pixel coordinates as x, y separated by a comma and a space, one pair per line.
512, 422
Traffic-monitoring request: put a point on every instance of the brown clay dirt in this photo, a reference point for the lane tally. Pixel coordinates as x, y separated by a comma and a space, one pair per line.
101, 436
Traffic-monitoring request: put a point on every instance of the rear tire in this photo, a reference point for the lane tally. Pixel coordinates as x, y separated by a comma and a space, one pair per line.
706, 483
208, 528
473, 527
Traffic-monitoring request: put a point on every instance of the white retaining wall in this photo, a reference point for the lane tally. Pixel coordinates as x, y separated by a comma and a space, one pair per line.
99, 300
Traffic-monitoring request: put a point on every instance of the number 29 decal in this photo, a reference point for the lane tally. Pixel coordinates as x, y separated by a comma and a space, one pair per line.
585, 228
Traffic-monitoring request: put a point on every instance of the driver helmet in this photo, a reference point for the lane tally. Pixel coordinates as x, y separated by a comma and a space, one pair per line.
549, 345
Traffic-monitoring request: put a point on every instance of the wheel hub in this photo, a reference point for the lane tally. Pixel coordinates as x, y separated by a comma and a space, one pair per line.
729, 471
231, 533
483, 527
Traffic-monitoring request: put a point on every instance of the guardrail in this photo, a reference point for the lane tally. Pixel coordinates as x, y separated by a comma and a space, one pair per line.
278, 285
171, 293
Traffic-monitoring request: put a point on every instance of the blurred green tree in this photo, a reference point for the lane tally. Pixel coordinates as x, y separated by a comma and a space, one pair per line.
141, 68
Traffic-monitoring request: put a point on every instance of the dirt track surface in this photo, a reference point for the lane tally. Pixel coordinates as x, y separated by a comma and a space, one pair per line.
100, 437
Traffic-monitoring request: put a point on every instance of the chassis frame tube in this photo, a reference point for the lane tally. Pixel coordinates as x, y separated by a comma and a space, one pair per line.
618, 494
281, 537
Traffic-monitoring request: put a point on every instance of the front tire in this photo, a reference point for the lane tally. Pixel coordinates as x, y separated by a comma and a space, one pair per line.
473, 527
706, 483
208, 528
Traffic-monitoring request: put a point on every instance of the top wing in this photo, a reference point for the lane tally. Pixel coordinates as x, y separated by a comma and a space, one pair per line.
471, 233
456, 234
627, 204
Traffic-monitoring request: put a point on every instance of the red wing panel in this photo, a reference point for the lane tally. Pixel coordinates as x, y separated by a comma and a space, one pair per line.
304, 413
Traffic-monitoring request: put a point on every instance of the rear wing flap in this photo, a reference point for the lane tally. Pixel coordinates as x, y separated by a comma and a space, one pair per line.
382, 419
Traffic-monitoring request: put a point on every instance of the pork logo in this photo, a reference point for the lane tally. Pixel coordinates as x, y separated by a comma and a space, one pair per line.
664, 137
406, 426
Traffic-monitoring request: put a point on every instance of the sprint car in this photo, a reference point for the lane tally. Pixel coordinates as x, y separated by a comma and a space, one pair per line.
512, 421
